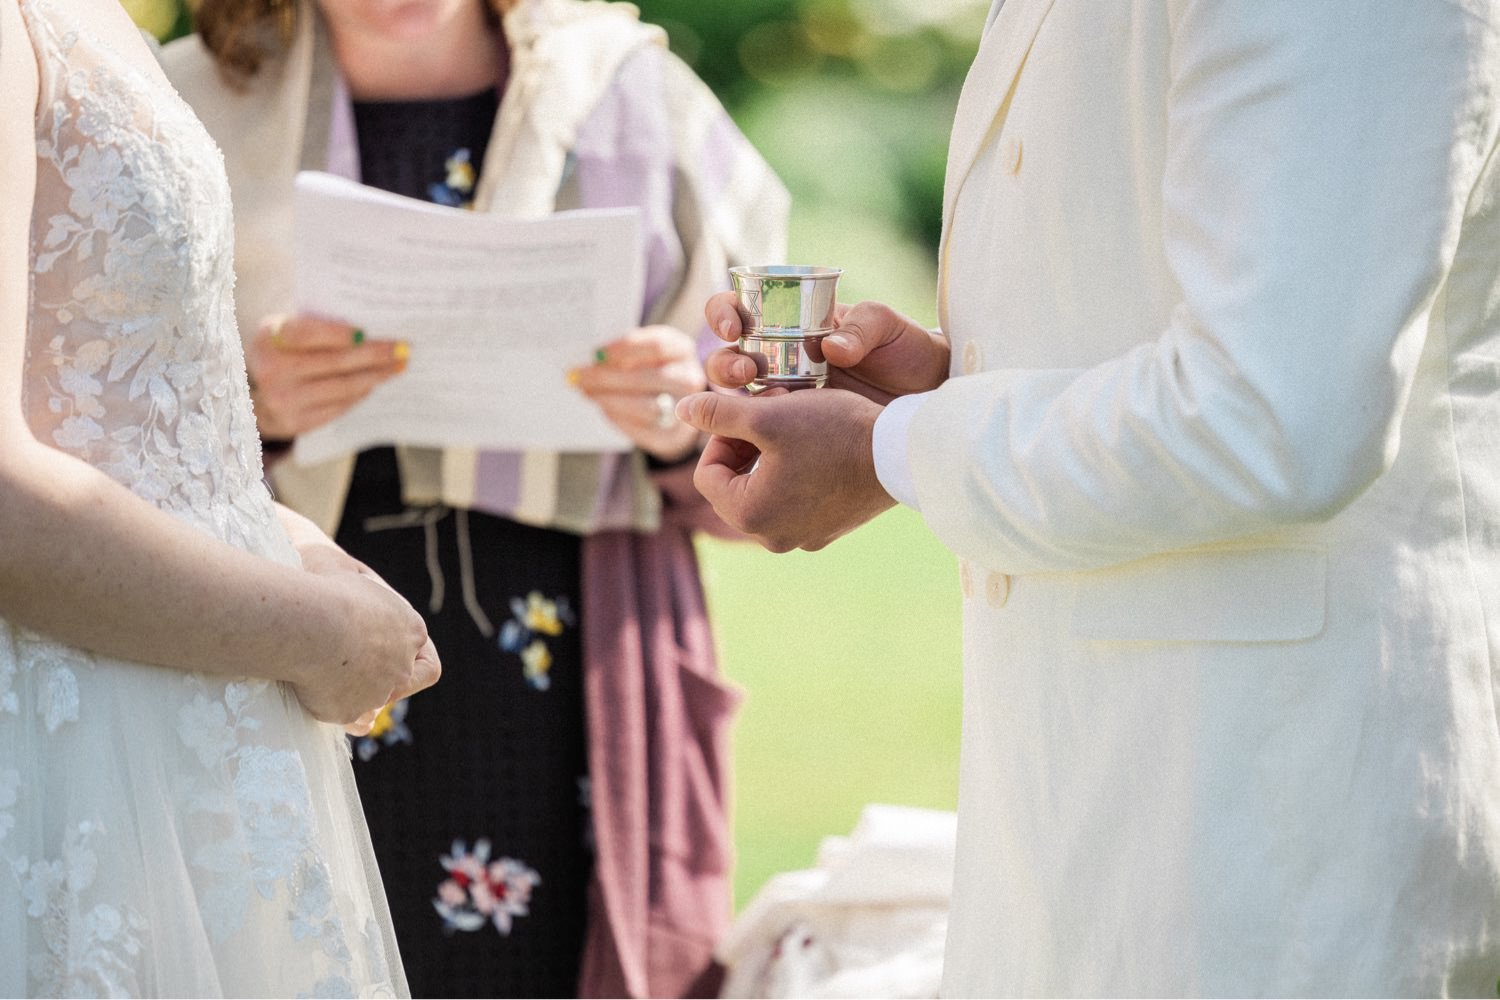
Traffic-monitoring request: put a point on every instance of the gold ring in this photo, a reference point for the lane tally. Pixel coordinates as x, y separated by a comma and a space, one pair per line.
276, 329
666, 411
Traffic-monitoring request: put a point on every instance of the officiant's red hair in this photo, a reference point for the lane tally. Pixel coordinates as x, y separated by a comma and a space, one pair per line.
244, 34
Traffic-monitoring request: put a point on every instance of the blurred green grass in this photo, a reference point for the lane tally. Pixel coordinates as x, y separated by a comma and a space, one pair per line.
851, 665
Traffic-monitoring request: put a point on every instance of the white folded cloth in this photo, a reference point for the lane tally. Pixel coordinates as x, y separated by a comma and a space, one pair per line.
868, 921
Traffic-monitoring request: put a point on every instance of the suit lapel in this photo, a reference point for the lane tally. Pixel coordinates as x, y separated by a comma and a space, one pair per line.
984, 101
988, 87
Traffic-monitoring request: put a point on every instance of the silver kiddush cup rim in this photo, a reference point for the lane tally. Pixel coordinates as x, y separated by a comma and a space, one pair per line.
785, 271
789, 300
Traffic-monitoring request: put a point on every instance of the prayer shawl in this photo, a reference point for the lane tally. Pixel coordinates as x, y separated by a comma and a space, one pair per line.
596, 113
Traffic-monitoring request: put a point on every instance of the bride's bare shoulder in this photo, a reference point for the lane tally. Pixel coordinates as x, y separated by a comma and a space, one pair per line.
18, 97
18, 74
110, 25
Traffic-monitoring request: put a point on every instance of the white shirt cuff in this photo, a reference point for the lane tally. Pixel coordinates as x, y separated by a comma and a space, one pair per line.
891, 465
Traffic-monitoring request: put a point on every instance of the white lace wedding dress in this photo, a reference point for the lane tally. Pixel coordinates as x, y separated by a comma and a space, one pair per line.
161, 833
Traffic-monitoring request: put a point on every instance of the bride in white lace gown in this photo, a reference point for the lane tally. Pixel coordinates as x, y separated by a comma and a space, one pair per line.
187, 829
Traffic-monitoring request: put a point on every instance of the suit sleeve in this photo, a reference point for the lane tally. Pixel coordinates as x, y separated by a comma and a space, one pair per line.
1319, 159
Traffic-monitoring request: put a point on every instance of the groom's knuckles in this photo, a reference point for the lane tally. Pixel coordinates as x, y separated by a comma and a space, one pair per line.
761, 516
713, 479
776, 539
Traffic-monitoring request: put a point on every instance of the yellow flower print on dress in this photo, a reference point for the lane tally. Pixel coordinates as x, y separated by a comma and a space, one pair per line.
536, 661
383, 722
541, 614
460, 172
534, 618
457, 188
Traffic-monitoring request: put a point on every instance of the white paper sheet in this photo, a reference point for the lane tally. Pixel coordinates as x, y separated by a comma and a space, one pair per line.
496, 312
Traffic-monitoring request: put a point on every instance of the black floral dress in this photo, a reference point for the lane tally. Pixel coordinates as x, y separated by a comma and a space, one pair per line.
476, 790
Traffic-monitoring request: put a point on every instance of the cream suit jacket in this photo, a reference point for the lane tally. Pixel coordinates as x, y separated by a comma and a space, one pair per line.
1220, 459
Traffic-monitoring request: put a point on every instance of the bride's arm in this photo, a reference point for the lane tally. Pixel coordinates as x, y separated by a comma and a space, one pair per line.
85, 561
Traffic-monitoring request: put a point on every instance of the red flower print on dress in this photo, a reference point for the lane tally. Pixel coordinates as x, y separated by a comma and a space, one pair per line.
479, 891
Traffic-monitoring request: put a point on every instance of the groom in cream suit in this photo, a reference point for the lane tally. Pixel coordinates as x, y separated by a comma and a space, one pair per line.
1213, 427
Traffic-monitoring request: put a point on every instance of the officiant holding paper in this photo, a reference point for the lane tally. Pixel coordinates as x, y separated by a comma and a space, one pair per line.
550, 820
1211, 426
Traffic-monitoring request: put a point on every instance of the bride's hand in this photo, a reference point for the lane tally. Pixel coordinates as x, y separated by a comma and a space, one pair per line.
320, 555
383, 638
425, 673
327, 558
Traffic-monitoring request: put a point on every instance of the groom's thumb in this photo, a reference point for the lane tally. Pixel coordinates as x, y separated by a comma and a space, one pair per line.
863, 327
718, 413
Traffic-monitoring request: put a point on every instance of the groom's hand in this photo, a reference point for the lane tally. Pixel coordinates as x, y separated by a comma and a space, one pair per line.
875, 351
792, 470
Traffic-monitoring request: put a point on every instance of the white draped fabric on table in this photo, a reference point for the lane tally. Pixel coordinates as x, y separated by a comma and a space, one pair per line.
868, 921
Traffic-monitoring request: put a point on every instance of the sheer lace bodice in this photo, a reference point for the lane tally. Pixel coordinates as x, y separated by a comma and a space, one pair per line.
161, 832
134, 359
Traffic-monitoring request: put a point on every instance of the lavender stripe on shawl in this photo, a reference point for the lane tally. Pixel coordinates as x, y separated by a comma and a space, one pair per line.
343, 141
497, 481
624, 157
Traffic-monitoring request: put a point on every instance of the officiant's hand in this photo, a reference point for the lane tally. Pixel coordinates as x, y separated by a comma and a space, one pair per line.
304, 371
875, 351
637, 381
790, 469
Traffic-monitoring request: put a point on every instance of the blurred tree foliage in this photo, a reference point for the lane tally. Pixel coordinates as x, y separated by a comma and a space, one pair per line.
850, 80
850, 101
166, 19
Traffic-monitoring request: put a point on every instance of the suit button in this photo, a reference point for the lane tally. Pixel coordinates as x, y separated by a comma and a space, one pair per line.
997, 589
973, 359
966, 578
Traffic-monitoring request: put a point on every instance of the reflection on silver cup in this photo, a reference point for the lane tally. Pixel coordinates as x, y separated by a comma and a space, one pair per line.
785, 311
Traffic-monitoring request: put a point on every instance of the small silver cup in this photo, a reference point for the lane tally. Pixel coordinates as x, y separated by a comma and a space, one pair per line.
785, 311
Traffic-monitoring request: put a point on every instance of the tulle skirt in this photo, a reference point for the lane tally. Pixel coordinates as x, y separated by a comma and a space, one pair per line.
173, 834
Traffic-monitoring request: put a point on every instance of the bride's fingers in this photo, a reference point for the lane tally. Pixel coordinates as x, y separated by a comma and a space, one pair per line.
425, 671
362, 725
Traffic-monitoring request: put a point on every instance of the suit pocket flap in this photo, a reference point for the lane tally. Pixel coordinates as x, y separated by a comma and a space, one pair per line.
1220, 595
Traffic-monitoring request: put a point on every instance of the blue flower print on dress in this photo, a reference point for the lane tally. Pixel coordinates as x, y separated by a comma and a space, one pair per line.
479, 892
533, 620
